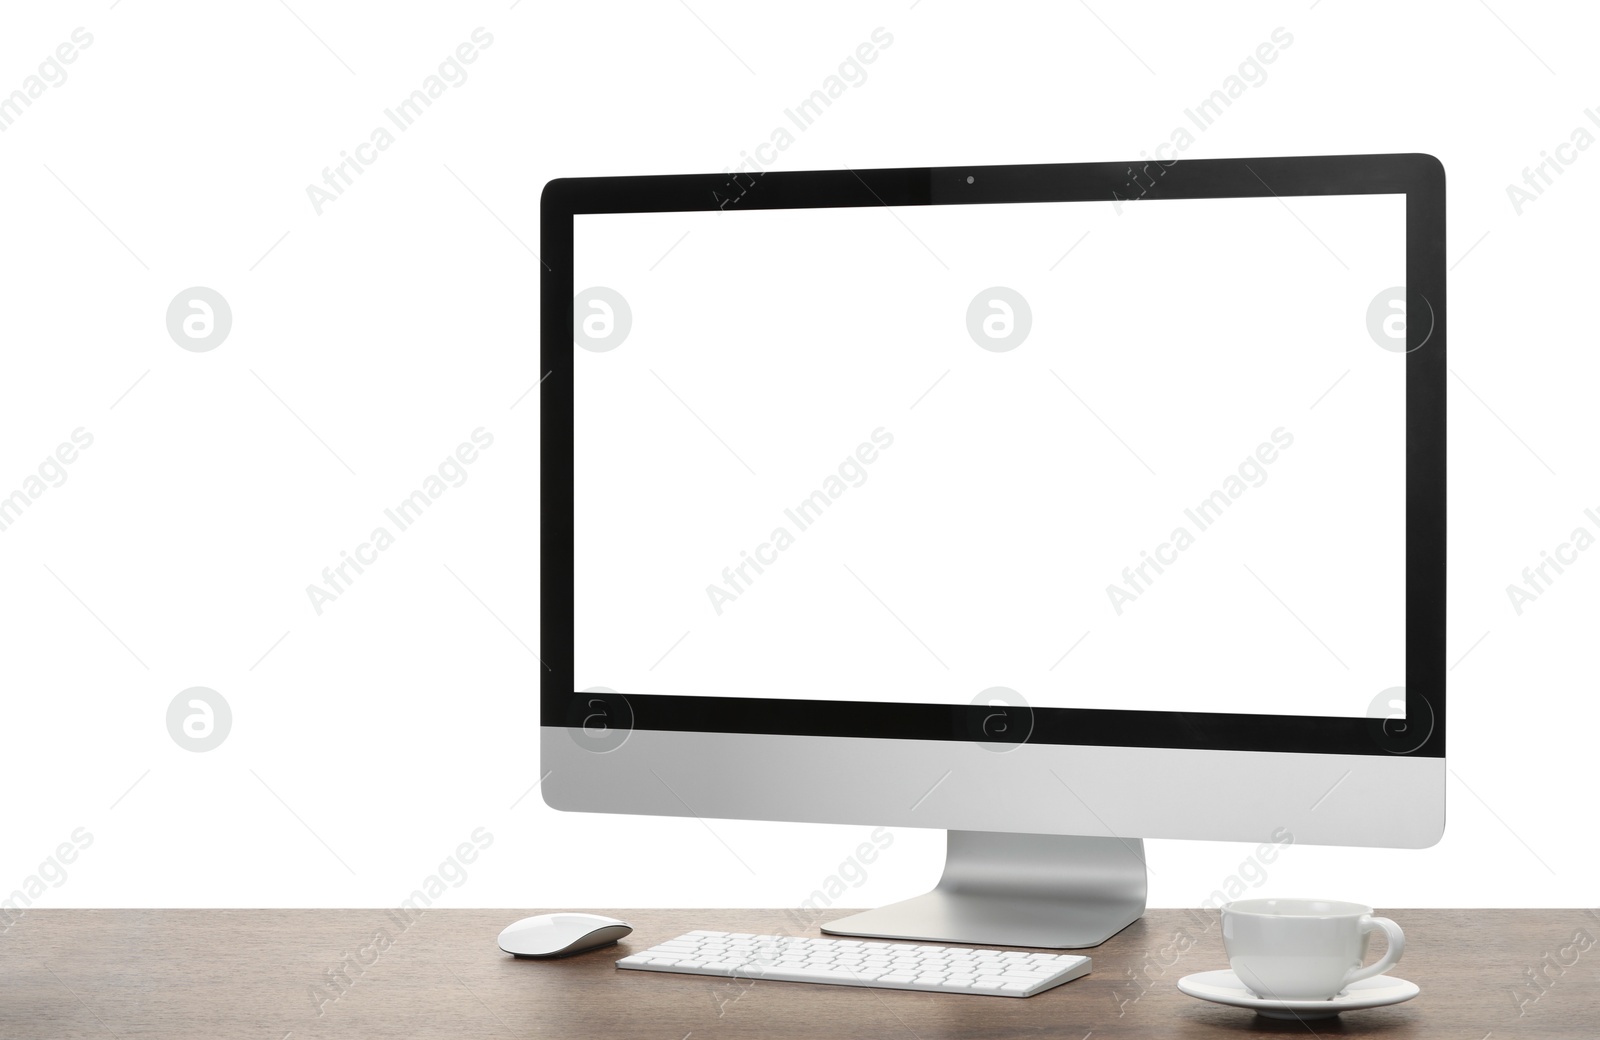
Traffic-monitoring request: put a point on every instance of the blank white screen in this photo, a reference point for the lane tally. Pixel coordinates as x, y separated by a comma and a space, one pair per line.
1168, 343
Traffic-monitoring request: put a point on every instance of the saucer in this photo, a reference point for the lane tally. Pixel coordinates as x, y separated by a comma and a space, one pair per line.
1224, 987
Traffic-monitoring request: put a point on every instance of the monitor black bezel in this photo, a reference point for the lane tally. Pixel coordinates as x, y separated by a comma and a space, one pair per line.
1419, 177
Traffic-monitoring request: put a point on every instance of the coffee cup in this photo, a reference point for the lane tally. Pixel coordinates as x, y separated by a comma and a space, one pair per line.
1304, 949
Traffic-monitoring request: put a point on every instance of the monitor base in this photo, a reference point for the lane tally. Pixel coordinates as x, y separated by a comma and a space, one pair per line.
1053, 891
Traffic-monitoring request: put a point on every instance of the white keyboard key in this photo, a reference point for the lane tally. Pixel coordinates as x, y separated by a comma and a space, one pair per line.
803, 975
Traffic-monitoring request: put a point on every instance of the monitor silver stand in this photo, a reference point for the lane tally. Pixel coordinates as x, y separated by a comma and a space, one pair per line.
1045, 890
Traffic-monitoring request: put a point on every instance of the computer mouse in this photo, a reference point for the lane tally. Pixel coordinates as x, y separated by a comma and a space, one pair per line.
561, 935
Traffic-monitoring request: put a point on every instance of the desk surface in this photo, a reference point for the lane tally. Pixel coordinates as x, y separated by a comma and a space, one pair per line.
270, 974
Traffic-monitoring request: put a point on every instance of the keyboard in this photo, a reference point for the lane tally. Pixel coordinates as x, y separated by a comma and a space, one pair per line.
850, 962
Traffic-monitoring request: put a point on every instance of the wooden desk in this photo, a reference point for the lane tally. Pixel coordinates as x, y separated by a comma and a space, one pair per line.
265, 975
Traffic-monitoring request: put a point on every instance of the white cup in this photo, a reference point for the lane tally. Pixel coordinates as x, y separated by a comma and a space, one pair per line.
1304, 949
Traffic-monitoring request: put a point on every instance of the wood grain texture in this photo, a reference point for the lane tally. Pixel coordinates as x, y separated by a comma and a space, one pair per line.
177, 974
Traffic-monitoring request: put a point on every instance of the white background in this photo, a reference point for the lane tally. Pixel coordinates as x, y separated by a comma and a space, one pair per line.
374, 738
978, 548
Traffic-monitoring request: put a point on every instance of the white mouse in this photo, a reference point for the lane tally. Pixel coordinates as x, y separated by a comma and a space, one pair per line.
561, 935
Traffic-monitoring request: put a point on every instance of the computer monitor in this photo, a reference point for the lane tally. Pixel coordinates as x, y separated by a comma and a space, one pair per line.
1054, 506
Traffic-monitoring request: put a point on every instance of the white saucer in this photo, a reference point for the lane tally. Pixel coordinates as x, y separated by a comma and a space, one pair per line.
1224, 987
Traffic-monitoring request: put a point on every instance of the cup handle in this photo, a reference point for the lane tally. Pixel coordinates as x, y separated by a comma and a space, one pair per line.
1397, 946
